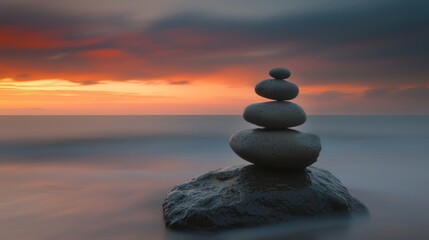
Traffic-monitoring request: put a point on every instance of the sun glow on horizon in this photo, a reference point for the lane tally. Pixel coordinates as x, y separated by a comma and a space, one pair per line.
57, 96
157, 96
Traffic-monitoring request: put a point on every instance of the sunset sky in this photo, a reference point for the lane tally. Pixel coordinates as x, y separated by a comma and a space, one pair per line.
204, 57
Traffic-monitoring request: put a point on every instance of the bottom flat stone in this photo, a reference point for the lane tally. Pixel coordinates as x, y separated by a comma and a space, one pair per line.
285, 149
249, 196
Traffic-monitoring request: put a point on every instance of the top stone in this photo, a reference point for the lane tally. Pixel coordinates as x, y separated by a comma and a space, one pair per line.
279, 73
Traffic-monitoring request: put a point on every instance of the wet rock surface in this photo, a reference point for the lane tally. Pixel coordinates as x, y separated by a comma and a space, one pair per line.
248, 196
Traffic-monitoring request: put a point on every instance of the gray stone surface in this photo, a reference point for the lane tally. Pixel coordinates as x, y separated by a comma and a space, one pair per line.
277, 89
279, 73
275, 114
249, 196
280, 149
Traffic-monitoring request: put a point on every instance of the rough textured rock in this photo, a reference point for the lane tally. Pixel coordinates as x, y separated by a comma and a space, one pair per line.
279, 73
277, 89
285, 149
275, 114
249, 196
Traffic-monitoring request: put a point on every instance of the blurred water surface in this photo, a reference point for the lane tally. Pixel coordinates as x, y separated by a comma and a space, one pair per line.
105, 177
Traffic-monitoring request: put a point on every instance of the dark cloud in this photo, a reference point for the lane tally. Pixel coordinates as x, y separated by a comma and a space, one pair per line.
414, 93
381, 43
379, 101
22, 76
182, 82
330, 95
42, 16
410, 100
88, 82
377, 92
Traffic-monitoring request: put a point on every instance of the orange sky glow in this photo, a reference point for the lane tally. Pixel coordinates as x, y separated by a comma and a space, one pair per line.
116, 59
56, 96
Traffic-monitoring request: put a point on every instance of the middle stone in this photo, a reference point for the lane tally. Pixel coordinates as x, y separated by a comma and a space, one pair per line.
275, 114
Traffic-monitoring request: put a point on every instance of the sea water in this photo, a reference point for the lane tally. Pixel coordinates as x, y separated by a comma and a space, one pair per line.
105, 177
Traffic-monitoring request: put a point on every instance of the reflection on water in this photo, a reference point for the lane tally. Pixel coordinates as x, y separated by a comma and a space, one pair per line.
106, 177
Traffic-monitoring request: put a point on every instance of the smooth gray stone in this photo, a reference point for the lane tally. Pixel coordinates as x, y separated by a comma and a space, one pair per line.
277, 89
279, 73
275, 114
280, 149
248, 196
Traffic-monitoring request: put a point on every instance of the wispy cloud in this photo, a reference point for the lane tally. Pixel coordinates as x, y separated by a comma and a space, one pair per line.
366, 42
380, 46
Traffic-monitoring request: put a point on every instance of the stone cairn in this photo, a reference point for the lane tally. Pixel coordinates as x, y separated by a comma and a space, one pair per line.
276, 145
261, 193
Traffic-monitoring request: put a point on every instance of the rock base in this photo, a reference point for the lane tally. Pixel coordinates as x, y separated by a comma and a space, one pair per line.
249, 196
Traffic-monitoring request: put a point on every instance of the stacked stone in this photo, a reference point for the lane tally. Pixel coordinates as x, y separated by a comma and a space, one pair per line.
276, 145
252, 195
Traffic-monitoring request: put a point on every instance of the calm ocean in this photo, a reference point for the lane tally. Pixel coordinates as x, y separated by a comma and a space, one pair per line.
105, 177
